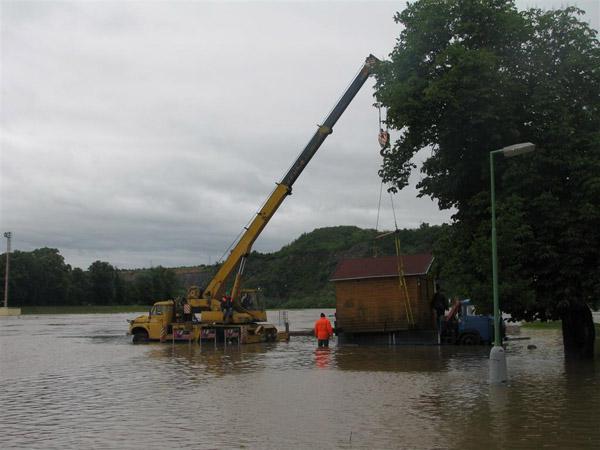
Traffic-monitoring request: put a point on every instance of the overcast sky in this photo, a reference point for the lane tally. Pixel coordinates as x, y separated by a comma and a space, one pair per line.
147, 133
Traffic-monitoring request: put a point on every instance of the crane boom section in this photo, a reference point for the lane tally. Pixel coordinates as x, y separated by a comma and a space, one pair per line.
244, 245
284, 188
327, 128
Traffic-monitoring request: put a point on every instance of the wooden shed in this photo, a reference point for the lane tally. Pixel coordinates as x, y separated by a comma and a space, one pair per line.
371, 300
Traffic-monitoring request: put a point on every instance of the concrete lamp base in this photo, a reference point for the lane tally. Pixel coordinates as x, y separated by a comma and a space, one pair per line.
498, 371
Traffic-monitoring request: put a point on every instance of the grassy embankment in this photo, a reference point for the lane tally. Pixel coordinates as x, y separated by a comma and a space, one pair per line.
92, 309
553, 325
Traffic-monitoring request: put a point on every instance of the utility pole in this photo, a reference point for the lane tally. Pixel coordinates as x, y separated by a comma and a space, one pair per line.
7, 235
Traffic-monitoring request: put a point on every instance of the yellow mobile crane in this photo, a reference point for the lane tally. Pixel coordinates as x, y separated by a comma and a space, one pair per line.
162, 323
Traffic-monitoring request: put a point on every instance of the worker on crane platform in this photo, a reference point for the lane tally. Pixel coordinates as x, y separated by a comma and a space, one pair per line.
227, 306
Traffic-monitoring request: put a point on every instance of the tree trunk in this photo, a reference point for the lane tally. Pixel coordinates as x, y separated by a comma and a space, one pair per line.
578, 330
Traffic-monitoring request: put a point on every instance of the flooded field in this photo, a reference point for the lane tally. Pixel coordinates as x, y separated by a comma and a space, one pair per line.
76, 381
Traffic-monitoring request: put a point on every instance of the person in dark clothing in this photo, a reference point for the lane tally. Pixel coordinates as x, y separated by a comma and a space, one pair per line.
187, 312
246, 301
227, 307
439, 304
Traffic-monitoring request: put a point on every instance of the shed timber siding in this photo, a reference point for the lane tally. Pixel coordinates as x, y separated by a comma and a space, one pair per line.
373, 302
378, 304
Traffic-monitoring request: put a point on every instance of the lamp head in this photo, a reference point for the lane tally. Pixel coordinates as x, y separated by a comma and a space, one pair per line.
517, 149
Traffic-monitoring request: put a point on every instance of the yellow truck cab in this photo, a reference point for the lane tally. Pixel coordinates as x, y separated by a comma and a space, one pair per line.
156, 325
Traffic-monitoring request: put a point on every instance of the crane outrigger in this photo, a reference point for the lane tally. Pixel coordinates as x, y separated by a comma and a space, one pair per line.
245, 324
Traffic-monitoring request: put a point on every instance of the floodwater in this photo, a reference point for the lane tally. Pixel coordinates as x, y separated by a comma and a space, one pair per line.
76, 381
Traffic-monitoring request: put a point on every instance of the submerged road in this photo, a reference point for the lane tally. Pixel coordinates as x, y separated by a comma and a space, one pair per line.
76, 381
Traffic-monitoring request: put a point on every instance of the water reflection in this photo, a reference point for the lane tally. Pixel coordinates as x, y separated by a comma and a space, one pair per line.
192, 359
391, 359
323, 358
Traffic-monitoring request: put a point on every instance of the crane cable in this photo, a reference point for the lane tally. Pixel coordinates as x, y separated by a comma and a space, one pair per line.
384, 142
378, 105
400, 265
379, 206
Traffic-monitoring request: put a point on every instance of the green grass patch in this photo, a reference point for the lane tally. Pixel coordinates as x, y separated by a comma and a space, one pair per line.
551, 325
82, 309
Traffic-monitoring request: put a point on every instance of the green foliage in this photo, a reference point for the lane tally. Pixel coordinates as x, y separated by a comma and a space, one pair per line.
470, 76
79, 287
102, 280
151, 285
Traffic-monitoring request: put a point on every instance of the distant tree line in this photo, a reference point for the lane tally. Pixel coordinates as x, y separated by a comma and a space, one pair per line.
42, 278
297, 276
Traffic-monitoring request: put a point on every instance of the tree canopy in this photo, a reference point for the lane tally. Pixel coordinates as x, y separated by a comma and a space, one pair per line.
470, 76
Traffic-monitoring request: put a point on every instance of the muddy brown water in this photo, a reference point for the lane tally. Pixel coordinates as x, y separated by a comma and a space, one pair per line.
76, 381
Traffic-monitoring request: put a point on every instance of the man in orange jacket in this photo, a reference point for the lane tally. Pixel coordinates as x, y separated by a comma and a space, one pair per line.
323, 331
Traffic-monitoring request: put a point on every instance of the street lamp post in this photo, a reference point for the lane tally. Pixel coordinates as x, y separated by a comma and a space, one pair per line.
498, 371
7, 235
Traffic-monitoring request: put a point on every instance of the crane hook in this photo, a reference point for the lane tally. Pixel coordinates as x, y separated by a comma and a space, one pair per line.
384, 137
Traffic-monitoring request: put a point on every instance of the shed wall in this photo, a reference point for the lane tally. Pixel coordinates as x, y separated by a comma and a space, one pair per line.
378, 304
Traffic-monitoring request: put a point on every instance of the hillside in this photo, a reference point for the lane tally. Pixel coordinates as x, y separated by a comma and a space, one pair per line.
298, 274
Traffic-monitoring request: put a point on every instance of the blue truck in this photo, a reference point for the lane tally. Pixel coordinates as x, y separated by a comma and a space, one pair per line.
462, 326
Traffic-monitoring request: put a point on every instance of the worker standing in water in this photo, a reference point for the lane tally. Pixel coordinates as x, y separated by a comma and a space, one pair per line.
323, 331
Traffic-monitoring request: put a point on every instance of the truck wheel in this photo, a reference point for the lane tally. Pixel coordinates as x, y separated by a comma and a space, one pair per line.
470, 339
140, 335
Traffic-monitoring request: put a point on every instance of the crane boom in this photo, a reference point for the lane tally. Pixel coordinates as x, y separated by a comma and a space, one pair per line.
284, 188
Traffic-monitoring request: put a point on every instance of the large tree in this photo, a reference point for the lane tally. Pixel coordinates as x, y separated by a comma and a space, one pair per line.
470, 76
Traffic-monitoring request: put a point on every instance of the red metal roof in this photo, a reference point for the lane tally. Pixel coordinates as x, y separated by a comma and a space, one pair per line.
386, 266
